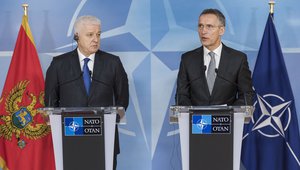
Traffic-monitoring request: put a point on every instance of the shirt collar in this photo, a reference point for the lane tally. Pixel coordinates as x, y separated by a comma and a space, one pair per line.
82, 57
217, 51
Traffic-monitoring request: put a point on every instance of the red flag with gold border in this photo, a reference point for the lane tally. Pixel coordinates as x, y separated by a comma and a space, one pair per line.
25, 138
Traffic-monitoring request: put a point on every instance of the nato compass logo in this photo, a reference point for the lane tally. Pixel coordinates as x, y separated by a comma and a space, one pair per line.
79, 126
73, 126
275, 115
211, 124
201, 124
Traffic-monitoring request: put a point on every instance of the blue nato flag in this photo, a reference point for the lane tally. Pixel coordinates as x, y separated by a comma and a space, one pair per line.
271, 140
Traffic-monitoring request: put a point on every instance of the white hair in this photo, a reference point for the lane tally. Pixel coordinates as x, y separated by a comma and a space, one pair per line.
86, 19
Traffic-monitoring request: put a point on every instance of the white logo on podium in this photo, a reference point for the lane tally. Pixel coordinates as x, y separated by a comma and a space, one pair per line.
73, 126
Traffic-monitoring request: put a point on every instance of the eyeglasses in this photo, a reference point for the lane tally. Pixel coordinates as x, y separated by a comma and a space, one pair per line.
208, 27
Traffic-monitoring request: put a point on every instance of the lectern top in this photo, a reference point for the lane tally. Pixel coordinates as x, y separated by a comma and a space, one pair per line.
121, 118
105, 110
176, 111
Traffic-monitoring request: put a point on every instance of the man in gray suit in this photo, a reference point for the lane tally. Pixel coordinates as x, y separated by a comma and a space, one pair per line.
213, 74
87, 76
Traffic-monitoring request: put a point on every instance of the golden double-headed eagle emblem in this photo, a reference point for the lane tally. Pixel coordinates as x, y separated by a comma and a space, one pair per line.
20, 119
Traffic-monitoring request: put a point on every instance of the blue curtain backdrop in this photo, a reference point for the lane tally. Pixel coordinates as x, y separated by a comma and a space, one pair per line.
150, 36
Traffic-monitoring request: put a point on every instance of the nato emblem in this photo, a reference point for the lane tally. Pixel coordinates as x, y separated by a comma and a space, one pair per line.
73, 126
83, 126
211, 124
201, 124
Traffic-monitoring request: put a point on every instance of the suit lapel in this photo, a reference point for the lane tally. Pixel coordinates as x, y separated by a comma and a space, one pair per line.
200, 60
97, 71
77, 70
223, 68
224, 61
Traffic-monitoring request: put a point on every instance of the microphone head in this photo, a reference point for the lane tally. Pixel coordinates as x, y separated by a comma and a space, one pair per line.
76, 37
216, 70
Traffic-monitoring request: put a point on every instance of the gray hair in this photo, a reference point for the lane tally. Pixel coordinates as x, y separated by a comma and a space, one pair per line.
86, 19
215, 12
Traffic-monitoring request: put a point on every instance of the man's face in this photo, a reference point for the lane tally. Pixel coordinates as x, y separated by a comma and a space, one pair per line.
89, 39
210, 31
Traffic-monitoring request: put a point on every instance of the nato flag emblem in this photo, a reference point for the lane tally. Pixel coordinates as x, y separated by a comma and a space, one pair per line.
201, 124
73, 126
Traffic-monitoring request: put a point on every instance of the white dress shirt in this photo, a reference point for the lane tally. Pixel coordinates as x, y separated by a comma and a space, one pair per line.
90, 63
207, 57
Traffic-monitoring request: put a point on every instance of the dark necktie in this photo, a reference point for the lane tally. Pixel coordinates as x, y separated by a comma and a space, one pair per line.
211, 75
86, 75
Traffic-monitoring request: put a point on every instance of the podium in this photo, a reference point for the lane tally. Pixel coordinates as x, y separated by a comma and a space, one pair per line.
211, 136
83, 137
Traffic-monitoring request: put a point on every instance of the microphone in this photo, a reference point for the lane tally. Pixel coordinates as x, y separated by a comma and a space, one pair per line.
189, 83
233, 83
62, 84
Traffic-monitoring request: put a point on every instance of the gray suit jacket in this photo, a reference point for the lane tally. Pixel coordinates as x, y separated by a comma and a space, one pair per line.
192, 88
64, 86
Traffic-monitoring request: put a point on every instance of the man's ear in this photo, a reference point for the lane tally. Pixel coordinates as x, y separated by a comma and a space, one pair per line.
221, 30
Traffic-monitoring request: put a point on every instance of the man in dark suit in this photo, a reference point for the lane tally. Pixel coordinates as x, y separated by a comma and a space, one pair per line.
87, 76
213, 74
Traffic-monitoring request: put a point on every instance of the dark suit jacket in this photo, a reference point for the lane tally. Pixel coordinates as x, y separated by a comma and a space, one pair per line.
64, 86
192, 88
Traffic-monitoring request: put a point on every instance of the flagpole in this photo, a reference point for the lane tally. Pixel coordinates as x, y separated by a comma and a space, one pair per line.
25, 6
272, 4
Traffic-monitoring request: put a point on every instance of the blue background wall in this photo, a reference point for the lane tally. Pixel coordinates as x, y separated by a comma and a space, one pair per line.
150, 36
